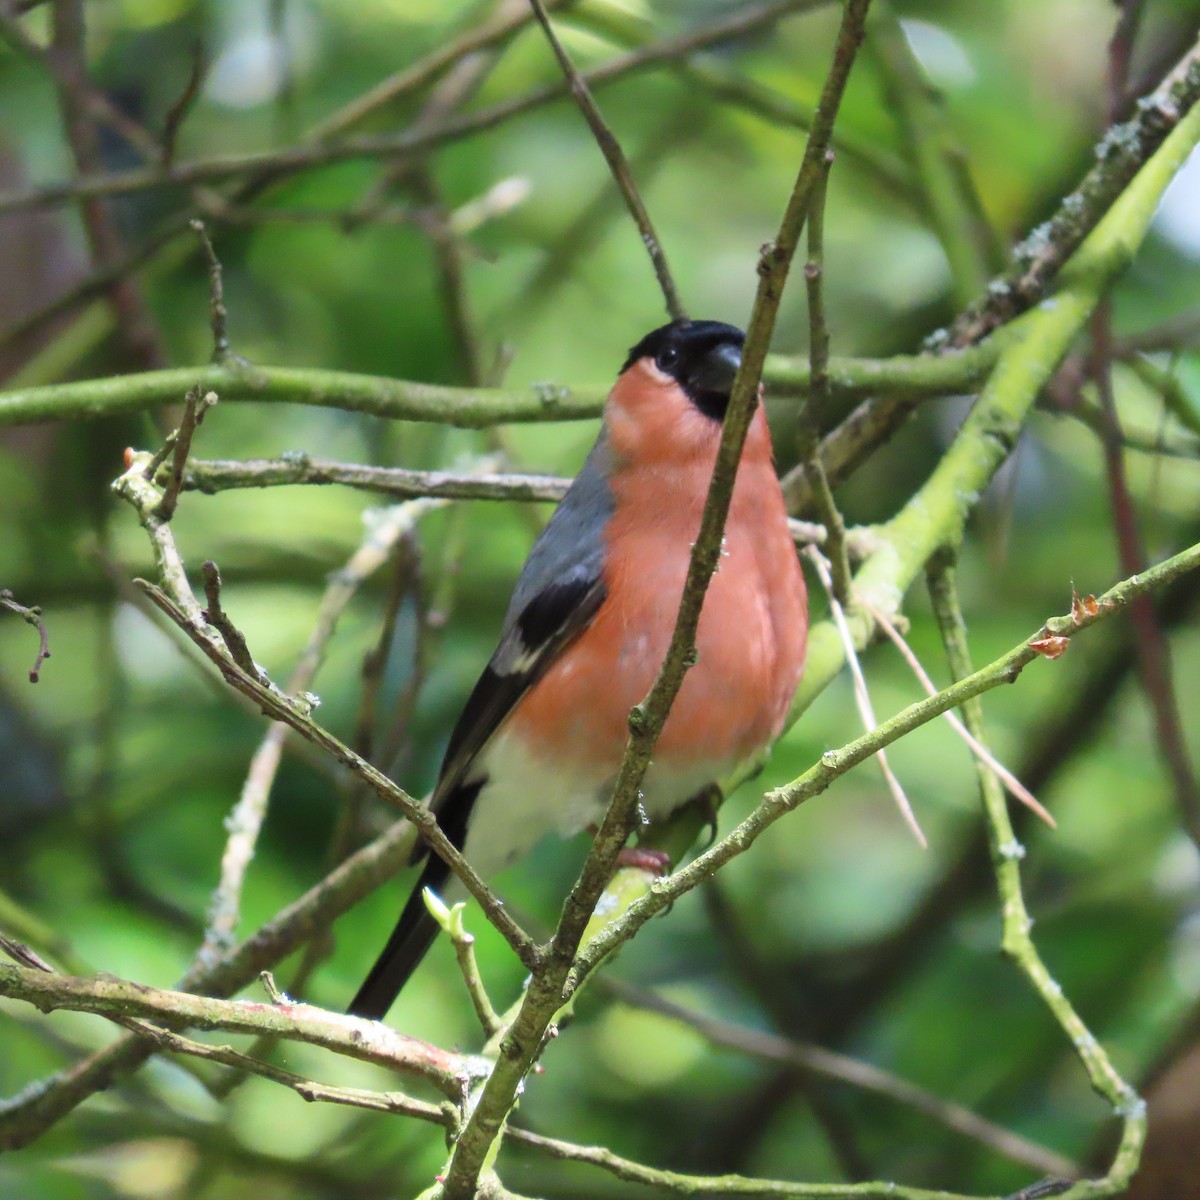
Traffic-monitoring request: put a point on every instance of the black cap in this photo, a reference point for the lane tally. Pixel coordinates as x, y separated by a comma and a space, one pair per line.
702, 356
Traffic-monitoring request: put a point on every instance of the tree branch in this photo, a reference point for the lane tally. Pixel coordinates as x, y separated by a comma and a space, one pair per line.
29, 1114
744, 21
817, 1060
1007, 853
326, 153
377, 395
618, 165
1053, 636
677, 1184
472, 407
31, 616
366, 1041
135, 323
245, 820
550, 986
1121, 153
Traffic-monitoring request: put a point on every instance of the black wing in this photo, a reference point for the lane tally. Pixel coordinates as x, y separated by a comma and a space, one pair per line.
559, 592
553, 619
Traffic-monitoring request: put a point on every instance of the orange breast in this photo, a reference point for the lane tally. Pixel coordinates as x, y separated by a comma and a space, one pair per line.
750, 640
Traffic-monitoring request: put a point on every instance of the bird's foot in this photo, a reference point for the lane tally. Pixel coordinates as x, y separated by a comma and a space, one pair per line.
656, 862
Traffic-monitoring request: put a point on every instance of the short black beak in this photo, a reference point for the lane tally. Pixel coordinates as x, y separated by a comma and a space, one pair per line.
716, 370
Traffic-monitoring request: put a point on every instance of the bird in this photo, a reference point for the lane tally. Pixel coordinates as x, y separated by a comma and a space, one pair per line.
540, 740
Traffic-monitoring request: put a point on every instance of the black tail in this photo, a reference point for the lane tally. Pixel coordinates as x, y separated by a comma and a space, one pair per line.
413, 935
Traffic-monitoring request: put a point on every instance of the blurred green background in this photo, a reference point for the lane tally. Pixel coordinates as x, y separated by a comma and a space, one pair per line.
119, 767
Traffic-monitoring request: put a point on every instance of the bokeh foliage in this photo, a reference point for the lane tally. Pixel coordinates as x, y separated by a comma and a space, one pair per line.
117, 770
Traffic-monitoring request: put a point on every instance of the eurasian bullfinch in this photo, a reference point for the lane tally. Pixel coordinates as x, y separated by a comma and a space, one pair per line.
542, 735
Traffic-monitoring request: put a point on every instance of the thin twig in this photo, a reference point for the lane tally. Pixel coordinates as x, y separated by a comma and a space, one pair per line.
366, 1041
508, 21
1181, 332
31, 616
22, 955
249, 215
179, 110
23, 925
1007, 852
452, 924
1158, 442
179, 445
558, 262
217, 475
274, 164
1164, 379
817, 1060
834, 763
862, 697
617, 164
135, 322
1119, 155
26, 1117
679, 1184
448, 253
814, 410
100, 106
814, 278
281, 708
1042, 1190
1154, 653
1120, 54
460, 83
1015, 787
218, 313
245, 820
719, 80
219, 619
551, 984
177, 601
308, 1089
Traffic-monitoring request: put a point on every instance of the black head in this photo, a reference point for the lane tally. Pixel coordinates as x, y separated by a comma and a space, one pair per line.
703, 356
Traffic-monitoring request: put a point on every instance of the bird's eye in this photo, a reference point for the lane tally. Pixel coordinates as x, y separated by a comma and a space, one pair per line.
666, 358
